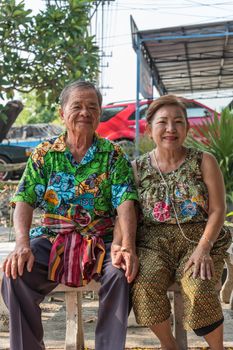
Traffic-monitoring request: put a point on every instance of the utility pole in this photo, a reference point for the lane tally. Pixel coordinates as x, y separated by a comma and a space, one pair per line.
98, 28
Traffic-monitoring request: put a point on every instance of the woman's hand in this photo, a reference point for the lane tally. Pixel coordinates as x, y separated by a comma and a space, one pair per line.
201, 262
16, 260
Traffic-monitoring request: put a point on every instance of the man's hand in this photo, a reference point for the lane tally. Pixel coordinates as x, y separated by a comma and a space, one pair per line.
131, 264
117, 257
16, 260
126, 260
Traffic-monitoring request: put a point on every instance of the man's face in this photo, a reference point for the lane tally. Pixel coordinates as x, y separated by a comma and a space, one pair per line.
82, 111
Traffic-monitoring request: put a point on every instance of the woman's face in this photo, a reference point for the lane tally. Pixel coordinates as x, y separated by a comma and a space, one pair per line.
169, 127
81, 112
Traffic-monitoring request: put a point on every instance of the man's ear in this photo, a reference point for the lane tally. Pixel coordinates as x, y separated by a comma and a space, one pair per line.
60, 111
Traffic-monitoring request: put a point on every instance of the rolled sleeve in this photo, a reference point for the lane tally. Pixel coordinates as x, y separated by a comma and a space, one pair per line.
31, 187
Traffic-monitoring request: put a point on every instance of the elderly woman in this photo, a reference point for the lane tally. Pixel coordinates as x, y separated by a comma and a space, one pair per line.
180, 237
80, 181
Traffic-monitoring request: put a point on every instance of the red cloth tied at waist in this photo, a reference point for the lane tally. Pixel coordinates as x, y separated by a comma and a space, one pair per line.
77, 254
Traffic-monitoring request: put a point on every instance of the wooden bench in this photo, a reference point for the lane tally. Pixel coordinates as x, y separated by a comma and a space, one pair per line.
74, 339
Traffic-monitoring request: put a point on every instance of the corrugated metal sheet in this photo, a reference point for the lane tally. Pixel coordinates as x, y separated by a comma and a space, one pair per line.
188, 59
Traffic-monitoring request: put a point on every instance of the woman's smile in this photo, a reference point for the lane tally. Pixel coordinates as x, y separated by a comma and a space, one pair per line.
170, 138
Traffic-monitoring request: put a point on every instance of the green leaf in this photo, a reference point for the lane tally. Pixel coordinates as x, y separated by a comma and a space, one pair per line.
215, 136
45, 51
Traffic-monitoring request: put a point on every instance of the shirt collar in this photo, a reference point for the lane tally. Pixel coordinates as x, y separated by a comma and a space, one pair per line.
59, 145
99, 144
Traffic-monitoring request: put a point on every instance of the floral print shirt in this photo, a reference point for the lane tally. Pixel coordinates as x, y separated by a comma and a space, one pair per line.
186, 190
84, 192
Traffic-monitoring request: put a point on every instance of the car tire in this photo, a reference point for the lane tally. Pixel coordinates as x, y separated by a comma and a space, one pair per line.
128, 147
7, 174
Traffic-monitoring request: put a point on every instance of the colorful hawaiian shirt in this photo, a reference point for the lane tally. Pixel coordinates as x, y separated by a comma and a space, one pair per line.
184, 190
83, 192
79, 202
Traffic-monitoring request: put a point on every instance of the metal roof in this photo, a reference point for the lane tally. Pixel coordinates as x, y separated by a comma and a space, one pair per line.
188, 59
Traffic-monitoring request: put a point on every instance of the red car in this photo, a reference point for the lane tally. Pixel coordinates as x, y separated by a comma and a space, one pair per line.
117, 122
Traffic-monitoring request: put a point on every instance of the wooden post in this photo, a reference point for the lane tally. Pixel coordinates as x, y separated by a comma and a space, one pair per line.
178, 311
226, 293
4, 314
180, 333
74, 324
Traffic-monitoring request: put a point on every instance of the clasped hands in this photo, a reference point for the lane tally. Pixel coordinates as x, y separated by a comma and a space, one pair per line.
201, 263
126, 260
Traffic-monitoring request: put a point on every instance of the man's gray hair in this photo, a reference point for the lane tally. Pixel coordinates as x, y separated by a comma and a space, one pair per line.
82, 85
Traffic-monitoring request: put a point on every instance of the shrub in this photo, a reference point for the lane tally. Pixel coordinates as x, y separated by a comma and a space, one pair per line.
145, 145
215, 136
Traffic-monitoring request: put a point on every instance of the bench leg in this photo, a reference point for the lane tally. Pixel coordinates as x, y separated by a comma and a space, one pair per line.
180, 333
4, 315
227, 287
74, 323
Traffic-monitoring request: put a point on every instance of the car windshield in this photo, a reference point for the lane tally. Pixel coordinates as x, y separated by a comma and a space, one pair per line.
198, 112
195, 111
109, 112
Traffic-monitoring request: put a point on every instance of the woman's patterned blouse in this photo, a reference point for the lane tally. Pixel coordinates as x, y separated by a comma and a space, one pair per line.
85, 191
186, 190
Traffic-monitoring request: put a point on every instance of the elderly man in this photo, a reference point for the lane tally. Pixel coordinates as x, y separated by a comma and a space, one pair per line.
81, 182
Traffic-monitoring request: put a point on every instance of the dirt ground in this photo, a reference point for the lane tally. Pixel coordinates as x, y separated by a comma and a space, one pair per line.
137, 336
53, 315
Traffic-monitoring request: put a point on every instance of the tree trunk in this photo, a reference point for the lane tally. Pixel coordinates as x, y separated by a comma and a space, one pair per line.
11, 110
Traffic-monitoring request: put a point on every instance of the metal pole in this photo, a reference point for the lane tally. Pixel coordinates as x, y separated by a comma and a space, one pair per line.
137, 97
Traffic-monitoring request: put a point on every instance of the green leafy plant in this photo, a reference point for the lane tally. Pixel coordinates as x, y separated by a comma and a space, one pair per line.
45, 51
229, 219
146, 144
36, 112
215, 135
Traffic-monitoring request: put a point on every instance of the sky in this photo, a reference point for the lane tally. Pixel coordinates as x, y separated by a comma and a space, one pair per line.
118, 67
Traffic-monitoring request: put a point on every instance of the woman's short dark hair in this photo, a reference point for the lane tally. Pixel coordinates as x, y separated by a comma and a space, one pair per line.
82, 85
166, 100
